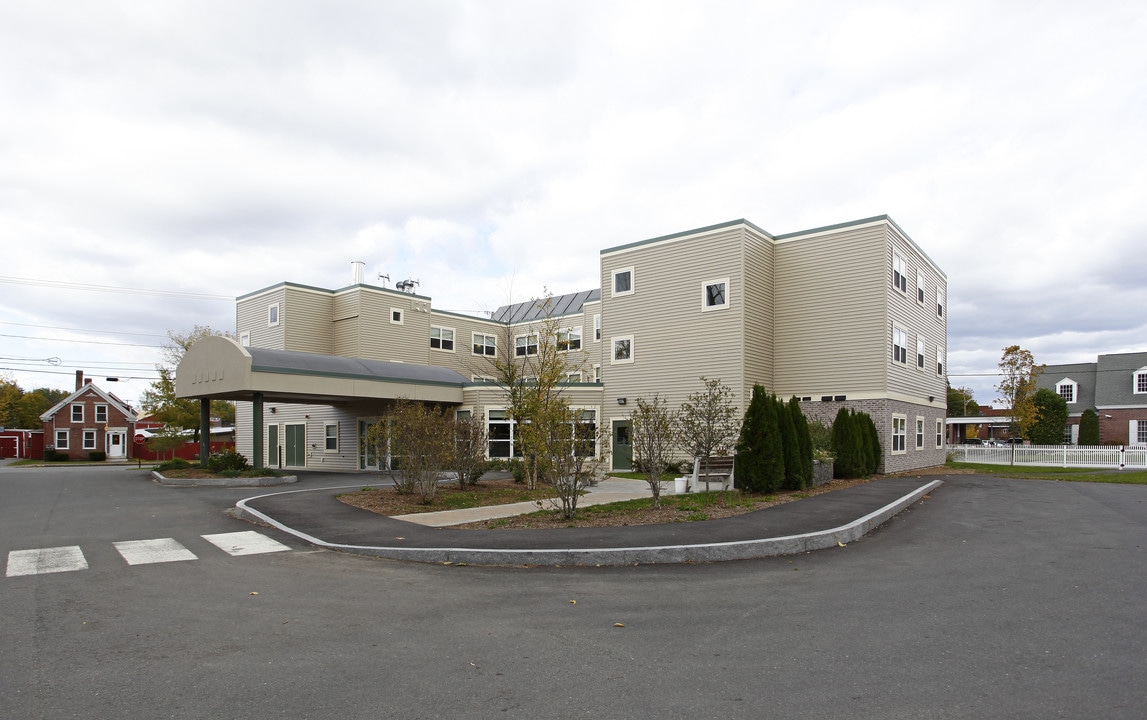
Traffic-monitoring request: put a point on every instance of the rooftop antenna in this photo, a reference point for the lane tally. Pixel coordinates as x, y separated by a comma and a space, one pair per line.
406, 285
384, 277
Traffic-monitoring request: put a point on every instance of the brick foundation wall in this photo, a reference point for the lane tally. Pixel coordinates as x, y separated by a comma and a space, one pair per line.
881, 411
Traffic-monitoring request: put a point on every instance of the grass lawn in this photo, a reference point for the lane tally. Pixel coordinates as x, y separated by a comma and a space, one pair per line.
1072, 474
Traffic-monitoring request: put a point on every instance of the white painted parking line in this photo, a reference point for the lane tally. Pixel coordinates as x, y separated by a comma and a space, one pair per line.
46, 560
160, 550
248, 542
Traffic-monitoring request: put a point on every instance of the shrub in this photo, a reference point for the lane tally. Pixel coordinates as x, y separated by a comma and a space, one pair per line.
51, 455
1089, 428
173, 464
1051, 417
227, 461
97, 456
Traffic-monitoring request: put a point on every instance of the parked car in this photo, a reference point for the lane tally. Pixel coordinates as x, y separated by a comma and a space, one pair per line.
1013, 441
972, 441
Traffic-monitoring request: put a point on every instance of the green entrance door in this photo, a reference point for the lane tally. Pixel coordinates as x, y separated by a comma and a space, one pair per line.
622, 447
296, 445
272, 446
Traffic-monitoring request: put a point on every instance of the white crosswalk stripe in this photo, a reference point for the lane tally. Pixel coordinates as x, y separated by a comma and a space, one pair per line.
46, 560
160, 550
39, 561
245, 543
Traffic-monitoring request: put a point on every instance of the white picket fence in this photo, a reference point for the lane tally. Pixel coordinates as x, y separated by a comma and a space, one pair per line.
1134, 456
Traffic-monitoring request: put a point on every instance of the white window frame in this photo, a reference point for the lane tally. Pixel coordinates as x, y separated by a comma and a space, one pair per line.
899, 434
940, 361
493, 345
571, 335
64, 435
1068, 384
1139, 381
920, 361
573, 377
920, 287
89, 440
939, 304
102, 413
80, 407
274, 317
245, 339
919, 432
513, 425
597, 328
327, 437
939, 432
482, 379
613, 346
613, 291
597, 373
1137, 434
899, 280
527, 346
441, 339
899, 345
705, 306
397, 317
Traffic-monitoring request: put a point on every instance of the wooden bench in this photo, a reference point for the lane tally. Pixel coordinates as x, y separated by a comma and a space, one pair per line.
718, 468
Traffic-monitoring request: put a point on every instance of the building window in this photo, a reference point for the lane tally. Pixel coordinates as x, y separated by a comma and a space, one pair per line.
1068, 390
715, 294
102, 414
622, 350
919, 352
939, 433
920, 286
939, 304
526, 345
899, 431
482, 379
940, 361
485, 345
89, 439
77, 412
331, 435
569, 339
597, 373
573, 377
62, 439
499, 434
442, 338
395, 316
919, 433
245, 339
585, 434
463, 414
1067, 434
1140, 385
623, 281
899, 280
899, 346
273, 315
597, 328
1140, 435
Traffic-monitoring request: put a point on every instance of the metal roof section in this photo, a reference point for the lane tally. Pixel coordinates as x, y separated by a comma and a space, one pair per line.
534, 310
302, 363
1115, 386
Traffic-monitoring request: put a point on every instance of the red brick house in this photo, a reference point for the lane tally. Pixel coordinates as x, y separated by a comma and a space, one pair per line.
88, 421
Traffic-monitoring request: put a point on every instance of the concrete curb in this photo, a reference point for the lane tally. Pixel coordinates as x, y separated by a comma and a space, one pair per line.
268, 481
696, 553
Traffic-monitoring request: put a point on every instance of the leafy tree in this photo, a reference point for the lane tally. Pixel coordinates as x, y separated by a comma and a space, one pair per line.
34, 404
654, 431
961, 403
1050, 418
421, 436
1089, 428
10, 395
708, 422
468, 458
1019, 371
160, 400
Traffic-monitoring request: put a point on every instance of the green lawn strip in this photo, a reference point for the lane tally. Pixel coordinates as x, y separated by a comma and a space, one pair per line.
1071, 474
694, 503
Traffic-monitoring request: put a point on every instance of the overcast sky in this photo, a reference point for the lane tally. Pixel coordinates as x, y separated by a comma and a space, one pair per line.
158, 159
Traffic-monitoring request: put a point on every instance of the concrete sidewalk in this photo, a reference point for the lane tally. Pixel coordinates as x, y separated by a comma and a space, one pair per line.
837, 518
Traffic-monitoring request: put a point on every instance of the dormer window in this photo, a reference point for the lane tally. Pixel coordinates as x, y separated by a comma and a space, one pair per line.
1139, 386
1068, 389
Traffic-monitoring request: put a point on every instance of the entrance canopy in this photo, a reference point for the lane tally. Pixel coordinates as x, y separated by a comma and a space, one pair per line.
219, 368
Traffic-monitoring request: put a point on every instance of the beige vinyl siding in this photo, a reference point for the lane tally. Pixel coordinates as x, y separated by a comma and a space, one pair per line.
832, 333
309, 328
346, 324
758, 317
380, 339
674, 342
251, 316
906, 381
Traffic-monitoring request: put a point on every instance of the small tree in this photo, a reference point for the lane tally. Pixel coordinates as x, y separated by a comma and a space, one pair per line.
1017, 387
791, 451
1050, 418
760, 462
654, 432
804, 441
468, 458
421, 441
1089, 428
708, 422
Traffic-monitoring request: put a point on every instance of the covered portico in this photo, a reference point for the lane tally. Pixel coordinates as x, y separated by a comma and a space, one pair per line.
218, 368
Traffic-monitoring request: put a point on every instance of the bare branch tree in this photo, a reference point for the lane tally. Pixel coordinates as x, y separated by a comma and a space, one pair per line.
654, 431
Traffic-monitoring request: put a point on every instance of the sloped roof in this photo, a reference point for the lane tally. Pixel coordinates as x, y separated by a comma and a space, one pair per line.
303, 363
106, 396
532, 310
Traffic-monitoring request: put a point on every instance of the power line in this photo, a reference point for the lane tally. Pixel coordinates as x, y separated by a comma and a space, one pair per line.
88, 342
86, 330
111, 289
72, 374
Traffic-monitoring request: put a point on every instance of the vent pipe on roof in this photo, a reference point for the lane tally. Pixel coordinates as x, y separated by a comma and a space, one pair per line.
357, 272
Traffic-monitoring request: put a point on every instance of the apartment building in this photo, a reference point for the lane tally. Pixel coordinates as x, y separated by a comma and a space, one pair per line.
850, 315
